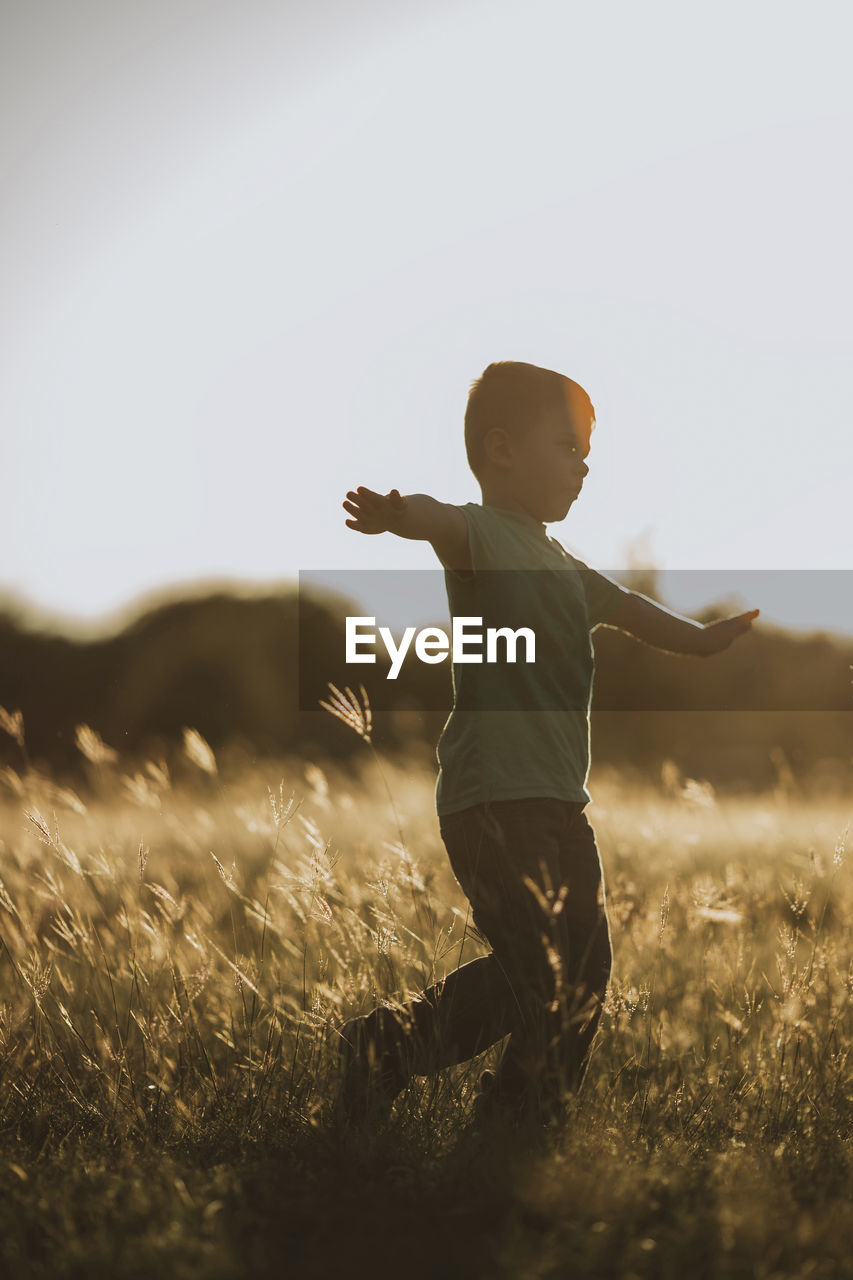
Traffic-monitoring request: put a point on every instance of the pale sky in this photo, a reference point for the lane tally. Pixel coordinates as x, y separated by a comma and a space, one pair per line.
254, 254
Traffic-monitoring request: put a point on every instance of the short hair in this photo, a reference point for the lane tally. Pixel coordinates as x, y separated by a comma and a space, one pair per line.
514, 396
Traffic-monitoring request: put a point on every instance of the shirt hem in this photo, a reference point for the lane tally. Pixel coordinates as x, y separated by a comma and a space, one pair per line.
512, 793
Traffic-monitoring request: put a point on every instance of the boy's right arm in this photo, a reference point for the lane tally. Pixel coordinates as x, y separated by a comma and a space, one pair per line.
417, 516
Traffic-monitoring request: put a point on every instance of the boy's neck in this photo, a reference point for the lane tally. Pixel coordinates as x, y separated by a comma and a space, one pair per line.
508, 502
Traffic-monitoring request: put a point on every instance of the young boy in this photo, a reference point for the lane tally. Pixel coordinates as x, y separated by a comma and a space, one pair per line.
514, 760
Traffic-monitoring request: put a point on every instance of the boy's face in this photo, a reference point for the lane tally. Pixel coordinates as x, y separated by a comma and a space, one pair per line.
548, 466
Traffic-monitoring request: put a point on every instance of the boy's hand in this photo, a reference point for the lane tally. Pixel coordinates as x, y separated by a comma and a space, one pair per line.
374, 513
717, 636
417, 517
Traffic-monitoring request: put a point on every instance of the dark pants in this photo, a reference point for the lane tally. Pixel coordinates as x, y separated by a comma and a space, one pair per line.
531, 871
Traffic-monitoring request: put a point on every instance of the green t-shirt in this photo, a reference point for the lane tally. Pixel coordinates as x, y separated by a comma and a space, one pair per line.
521, 729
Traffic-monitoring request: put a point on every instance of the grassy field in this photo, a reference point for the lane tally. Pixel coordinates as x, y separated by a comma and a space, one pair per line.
179, 948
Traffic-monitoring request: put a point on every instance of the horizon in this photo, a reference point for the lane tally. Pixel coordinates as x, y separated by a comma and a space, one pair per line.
387, 594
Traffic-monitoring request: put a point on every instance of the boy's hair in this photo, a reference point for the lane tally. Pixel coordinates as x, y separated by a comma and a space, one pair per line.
514, 396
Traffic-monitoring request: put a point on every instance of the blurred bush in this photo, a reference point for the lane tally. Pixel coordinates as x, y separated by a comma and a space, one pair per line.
231, 667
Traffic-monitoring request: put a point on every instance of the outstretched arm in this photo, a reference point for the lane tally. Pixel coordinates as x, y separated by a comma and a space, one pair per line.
664, 629
417, 516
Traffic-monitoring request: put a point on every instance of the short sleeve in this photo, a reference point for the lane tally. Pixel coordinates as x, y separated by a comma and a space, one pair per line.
486, 542
602, 593
457, 575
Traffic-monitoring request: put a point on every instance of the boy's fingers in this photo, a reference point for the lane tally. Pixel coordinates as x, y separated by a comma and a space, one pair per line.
371, 509
369, 498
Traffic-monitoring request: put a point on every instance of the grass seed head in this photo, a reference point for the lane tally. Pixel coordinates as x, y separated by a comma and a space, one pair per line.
347, 708
90, 743
199, 751
12, 722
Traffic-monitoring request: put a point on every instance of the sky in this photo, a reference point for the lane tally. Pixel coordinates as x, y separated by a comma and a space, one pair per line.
254, 254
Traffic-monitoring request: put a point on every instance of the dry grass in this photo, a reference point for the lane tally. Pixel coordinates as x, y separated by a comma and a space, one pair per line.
177, 957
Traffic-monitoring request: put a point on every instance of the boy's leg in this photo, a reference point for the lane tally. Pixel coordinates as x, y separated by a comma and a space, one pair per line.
549, 1051
453, 1020
465, 1012
546, 975
537, 891
456, 1018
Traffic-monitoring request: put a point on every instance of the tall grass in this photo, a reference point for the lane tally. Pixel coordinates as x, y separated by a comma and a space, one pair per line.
180, 943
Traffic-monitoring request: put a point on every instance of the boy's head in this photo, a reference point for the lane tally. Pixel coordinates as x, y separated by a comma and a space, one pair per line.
527, 432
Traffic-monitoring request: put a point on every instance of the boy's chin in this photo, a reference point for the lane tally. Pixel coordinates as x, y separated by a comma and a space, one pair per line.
553, 515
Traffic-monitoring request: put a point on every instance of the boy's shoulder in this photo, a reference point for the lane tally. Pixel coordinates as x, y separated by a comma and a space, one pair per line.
508, 535
501, 539
507, 540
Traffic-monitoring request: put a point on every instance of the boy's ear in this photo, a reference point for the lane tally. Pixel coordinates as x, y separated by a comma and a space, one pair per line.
497, 446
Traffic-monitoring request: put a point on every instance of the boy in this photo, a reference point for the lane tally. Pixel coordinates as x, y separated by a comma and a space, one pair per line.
514, 760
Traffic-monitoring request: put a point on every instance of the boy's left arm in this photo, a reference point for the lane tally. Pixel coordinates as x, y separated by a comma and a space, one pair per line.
664, 629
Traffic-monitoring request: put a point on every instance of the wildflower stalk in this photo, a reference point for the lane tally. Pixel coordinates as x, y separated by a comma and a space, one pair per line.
359, 716
12, 722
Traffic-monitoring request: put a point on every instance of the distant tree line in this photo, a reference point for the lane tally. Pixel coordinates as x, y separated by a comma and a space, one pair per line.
253, 670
